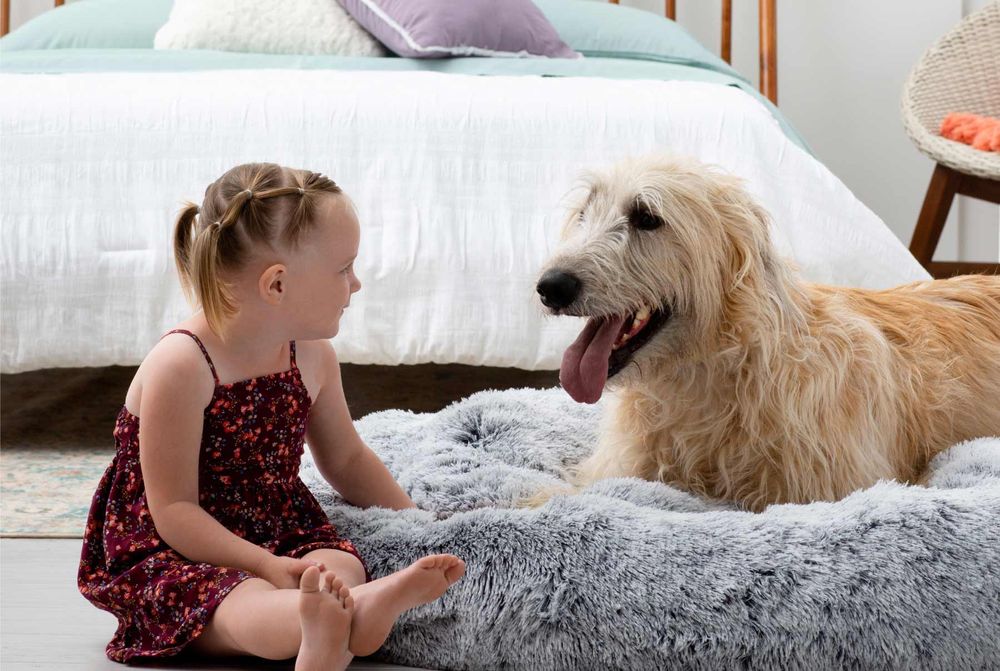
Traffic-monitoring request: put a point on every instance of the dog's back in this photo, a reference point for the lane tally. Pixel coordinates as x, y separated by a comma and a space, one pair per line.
946, 336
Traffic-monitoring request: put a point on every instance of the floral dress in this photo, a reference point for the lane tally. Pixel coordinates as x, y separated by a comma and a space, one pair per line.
252, 443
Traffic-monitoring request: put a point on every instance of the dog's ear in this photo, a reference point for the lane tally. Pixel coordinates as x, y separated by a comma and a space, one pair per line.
746, 228
753, 269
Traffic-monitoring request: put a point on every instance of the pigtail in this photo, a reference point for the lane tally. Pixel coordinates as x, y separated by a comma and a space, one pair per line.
213, 294
183, 241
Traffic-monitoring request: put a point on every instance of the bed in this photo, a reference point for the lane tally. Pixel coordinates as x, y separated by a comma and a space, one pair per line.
459, 169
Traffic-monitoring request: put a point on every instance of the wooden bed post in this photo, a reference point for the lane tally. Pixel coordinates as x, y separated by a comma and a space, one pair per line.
769, 49
767, 36
5, 15
726, 44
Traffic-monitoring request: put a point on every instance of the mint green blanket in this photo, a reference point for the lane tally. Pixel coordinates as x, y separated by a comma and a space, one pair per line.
617, 43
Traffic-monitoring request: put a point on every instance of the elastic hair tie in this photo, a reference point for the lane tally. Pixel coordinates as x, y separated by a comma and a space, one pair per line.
302, 191
217, 225
249, 193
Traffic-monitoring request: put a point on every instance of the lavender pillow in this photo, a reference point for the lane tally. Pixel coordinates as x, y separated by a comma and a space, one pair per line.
442, 28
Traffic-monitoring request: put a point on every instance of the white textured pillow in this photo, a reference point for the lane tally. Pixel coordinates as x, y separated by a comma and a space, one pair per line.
266, 26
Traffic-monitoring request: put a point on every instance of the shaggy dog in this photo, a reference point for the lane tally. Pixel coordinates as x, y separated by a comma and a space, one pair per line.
735, 379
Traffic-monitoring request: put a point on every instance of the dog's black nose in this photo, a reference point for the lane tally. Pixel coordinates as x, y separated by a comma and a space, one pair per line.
558, 289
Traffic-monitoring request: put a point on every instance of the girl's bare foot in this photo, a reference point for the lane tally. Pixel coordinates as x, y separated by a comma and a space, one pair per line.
325, 611
382, 601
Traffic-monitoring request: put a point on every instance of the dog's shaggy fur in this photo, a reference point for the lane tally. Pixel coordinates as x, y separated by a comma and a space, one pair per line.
754, 386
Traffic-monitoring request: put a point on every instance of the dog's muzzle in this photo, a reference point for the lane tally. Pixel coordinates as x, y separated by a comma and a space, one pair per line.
558, 289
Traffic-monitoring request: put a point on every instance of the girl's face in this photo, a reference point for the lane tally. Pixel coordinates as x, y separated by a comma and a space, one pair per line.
320, 274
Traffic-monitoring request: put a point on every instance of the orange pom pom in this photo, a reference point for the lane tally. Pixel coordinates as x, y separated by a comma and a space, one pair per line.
982, 132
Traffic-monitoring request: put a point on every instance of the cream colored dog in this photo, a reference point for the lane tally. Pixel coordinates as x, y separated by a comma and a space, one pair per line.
732, 377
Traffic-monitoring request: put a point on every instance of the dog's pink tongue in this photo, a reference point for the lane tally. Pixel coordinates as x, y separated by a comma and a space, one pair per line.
585, 363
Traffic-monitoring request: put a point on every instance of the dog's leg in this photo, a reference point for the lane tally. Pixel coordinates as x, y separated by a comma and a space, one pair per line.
620, 452
608, 461
543, 496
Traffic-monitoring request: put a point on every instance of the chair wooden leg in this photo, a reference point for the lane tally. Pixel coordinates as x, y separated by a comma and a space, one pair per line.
937, 202
944, 269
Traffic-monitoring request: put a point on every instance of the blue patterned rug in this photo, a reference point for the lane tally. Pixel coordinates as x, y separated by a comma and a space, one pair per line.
46, 493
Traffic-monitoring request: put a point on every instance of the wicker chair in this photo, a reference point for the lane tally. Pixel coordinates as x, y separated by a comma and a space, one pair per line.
960, 73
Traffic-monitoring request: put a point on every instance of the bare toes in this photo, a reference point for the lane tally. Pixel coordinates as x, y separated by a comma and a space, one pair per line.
309, 580
349, 601
430, 562
455, 571
451, 566
345, 592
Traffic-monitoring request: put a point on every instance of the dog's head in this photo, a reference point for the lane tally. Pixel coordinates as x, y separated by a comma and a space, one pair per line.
651, 252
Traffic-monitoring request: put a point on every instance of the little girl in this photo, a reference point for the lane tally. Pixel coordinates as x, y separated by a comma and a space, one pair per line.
201, 536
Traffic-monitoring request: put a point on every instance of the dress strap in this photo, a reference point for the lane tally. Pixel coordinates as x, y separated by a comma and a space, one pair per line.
291, 353
203, 350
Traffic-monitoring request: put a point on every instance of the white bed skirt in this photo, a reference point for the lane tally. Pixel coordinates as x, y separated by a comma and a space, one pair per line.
459, 182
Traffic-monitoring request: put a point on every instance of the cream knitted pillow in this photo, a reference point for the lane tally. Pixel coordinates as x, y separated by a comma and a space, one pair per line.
266, 26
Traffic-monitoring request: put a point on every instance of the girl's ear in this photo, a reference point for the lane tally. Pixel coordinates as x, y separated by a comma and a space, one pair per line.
271, 284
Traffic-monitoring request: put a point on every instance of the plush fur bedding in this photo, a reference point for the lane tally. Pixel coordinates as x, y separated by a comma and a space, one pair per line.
638, 575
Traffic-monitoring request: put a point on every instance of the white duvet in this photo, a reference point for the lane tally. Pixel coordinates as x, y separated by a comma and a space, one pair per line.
459, 182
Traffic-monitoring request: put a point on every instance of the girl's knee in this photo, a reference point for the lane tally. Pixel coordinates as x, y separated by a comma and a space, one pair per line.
345, 565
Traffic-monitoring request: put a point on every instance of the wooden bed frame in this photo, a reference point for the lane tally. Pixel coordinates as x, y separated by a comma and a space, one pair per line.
767, 36
767, 40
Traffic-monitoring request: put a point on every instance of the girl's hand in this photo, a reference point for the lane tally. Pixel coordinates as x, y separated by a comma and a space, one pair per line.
285, 572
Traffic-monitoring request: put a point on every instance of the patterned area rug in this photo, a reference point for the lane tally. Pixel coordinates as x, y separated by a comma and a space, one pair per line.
56, 424
46, 493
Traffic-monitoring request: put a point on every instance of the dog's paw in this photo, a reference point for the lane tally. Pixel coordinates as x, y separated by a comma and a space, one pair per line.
657, 495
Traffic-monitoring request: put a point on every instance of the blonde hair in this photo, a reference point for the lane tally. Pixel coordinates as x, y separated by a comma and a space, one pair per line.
250, 204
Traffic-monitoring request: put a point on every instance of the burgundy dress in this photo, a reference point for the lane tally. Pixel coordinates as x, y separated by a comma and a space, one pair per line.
248, 471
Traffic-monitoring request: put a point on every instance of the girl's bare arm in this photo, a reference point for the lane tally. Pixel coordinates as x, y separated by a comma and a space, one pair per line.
341, 456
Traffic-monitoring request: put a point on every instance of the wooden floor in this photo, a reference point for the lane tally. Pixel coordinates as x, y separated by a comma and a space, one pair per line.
46, 624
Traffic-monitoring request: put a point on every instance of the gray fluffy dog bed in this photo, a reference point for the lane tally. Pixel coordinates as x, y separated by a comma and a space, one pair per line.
638, 575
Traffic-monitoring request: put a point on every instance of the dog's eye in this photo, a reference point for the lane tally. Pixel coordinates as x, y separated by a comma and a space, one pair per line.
639, 216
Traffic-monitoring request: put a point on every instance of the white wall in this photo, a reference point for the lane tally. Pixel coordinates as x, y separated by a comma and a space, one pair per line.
841, 67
